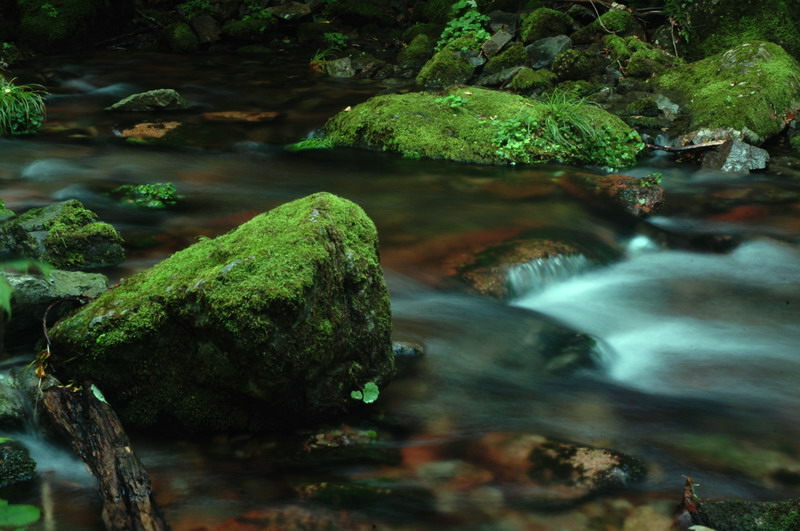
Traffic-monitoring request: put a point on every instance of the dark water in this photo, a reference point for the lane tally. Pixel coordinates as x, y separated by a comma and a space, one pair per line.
697, 356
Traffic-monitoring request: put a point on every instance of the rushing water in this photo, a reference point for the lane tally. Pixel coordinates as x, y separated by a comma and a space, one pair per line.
696, 359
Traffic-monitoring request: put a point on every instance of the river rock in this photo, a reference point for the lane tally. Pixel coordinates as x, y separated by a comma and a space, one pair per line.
16, 465
152, 100
12, 410
553, 474
736, 156
206, 28
64, 235
542, 52
274, 323
340, 67
639, 197
32, 295
491, 47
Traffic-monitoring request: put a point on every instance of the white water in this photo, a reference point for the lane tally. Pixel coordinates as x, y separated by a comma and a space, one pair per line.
725, 327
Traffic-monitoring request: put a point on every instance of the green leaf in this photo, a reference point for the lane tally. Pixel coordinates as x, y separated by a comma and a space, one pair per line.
5, 440
5, 296
371, 392
18, 515
356, 395
97, 394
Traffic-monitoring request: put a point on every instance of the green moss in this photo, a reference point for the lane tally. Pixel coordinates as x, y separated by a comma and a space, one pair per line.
795, 142
528, 80
751, 88
417, 53
544, 22
617, 21
5, 213
581, 87
718, 26
646, 106
574, 65
514, 55
179, 37
444, 69
636, 58
751, 515
15, 463
226, 333
155, 195
416, 124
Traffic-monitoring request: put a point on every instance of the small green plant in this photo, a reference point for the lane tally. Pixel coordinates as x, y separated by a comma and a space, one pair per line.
317, 142
153, 196
8, 54
466, 19
367, 395
335, 40
22, 109
320, 58
18, 516
652, 179
195, 8
258, 13
453, 101
50, 10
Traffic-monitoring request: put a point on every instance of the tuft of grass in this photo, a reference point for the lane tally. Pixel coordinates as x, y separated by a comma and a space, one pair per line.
21, 108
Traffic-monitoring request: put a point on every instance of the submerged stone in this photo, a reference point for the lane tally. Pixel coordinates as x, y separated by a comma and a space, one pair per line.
272, 324
750, 90
152, 100
485, 126
639, 197
65, 235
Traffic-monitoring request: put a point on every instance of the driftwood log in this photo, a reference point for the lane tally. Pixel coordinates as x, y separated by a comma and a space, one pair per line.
691, 147
95, 433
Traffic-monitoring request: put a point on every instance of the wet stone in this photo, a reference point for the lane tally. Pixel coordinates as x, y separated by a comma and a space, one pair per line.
16, 465
496, 43
152, 100
543, 51
736, 156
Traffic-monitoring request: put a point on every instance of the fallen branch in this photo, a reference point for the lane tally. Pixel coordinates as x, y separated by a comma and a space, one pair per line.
693, 147
95, 433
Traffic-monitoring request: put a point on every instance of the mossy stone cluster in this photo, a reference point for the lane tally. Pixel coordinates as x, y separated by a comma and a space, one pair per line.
615, 22
417, 125
718, 25
577, 65
638, 59
272, 324
65, 235
514, 55
752, 88
528, 80
544, 22
68, 24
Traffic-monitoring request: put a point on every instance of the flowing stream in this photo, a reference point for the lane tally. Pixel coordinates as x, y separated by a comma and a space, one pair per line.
697, 349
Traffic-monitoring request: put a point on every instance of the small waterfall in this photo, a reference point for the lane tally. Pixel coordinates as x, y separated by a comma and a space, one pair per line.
538, 274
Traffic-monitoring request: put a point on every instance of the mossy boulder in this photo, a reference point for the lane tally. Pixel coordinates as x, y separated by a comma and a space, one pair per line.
152, 100
70, 24
444, 69
751, 89
615, 22
514, 55
578, 65
272, 324
638, 59
65, 235
417, 53
16, 465
544, 22
424, 125
179, 37
528, 80
718, 25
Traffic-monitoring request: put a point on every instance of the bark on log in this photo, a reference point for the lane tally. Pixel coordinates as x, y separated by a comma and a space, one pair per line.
95, 433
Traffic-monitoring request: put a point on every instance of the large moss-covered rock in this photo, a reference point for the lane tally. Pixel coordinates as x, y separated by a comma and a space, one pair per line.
274, 323
70, 24
485, 126
752, 88
65, 235
543, 23
714, 26
615, 22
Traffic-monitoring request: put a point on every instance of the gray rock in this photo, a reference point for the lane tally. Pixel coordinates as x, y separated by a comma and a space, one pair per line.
16, 465
543, 51
152, 100
496, 43
503, 20
206, 28
340, 67
736, 156
12, 410
500, 77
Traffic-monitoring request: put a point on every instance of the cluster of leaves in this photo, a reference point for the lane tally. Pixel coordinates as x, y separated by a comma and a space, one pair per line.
23, 265
335, 40
453, 101
8, 54
155, 195
368, 395
652, 179
50, 10
466, 19
21, 108
195, 8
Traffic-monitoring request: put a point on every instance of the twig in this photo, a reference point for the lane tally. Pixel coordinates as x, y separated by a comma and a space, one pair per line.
693, 147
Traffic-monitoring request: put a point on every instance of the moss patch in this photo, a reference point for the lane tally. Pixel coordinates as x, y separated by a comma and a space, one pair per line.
271, 324
575, 65
417, 53
514, 55
751, 88
528, 80
180, 37
5, 213
743, 514
544, 22
479, 131
616, 22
